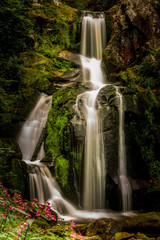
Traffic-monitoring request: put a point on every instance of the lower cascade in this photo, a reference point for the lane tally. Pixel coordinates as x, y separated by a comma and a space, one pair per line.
42, 184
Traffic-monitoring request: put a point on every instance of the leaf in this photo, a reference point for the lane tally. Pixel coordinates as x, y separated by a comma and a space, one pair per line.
21, 211
30, 221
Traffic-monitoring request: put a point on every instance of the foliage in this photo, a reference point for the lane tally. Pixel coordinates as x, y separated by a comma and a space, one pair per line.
31, 38
98, 5
20, 219
11, 166
144, 131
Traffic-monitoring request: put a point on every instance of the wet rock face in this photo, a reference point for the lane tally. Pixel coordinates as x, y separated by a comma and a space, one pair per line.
142, 15
108, 111
136, 25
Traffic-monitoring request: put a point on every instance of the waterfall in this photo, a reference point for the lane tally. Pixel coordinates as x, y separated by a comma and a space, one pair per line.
43, 185
124, 182
93, 42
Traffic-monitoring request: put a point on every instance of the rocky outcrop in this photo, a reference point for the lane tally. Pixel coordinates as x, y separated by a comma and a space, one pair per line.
102, 227
12, 170
136, 28
148, 223
132, 60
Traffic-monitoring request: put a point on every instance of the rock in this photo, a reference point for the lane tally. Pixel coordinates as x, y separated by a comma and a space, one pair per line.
12, 170
136, 28
69, 56
142, 15
92, 238
145, 223
123, 235
141, 236
81, 229
102, 227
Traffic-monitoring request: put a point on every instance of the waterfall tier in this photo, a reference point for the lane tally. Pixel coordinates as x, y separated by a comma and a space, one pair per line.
93, 42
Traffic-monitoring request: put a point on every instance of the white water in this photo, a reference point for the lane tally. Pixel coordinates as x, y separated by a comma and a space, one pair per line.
124, 182
93, 42
32, 128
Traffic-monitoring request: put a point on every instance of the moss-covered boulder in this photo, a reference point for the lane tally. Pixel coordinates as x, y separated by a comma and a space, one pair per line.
60, 133
102, 227
148, 223
123, 235
81, 229
12, 170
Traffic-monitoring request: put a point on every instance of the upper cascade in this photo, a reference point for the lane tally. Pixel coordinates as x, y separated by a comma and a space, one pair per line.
93, 34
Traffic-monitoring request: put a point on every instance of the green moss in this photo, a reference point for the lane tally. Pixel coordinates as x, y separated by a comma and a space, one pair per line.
62, 171
12, 174
147, 223
58, 142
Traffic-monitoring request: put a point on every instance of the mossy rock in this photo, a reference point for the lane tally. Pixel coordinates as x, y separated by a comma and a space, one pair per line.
123, 235
12, 169
141, 236
81, 229
148, 223
93, 238
102, 227
58, 143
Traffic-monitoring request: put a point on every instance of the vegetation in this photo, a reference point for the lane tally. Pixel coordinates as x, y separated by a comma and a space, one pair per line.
58, 143
21, 219
31, 38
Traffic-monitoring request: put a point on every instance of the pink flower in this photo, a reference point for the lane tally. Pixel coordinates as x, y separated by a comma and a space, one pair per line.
38, 214
41, 206
19, 232
53, 218
6, 191
26, 224
4, 204
10, 229
73, 235
22, 226
4, 216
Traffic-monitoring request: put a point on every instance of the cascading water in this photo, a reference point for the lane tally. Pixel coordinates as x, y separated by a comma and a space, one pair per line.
42, 184
93, 42
124, 182
32, 128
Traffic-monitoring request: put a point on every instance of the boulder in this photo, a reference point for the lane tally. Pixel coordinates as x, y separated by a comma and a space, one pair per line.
69, 56
102, 227
123, 235
147, 223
